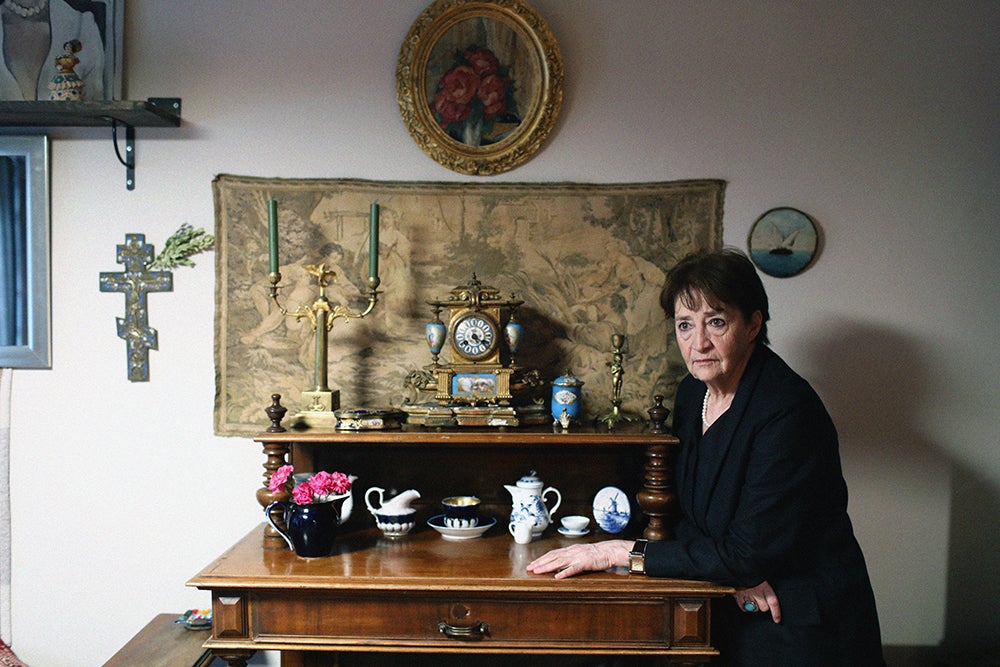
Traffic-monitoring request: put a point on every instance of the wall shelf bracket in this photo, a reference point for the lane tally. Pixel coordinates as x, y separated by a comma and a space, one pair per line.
154, 112
129, 160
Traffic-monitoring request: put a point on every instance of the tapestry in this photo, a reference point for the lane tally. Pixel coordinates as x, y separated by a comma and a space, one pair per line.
588, 260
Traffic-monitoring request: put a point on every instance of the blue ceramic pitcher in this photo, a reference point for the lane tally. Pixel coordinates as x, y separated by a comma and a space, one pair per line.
309, 530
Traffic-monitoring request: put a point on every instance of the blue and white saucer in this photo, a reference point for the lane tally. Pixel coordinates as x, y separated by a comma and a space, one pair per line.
612, 510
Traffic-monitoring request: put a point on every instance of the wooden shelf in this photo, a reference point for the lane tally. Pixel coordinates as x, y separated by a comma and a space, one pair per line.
154, 112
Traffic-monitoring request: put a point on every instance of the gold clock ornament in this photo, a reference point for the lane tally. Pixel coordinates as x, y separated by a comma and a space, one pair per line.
473, 386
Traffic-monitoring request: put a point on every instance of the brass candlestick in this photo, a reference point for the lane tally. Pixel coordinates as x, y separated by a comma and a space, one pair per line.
320, 402
617, 366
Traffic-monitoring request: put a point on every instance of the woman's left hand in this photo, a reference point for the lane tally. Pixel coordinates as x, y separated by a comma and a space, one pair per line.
759, 598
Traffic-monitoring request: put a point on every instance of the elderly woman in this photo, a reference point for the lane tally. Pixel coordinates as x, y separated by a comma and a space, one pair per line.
763, 500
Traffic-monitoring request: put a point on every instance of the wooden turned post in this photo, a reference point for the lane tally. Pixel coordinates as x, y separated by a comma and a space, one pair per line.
657, 498
275, 454
234, 657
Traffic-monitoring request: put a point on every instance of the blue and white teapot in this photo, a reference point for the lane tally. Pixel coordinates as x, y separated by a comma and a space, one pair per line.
528, 496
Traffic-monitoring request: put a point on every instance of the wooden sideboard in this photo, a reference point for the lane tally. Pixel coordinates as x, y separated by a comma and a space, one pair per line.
423, 594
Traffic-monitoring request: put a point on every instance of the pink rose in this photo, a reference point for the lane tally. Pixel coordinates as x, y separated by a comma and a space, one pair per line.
482, 60
341, 483
321, 483
325, 483
459, 84
278, 478
302, 494
449, 111
492, 93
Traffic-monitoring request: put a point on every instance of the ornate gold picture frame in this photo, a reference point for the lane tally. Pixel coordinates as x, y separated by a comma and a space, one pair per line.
479, 84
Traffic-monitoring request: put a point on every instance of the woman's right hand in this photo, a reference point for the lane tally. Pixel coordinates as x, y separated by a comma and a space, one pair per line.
577, 558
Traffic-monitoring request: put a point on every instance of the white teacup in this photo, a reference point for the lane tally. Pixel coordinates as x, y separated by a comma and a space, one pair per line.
575, 523
521, 531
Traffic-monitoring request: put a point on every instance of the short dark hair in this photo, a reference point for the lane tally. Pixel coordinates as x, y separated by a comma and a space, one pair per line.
723, 277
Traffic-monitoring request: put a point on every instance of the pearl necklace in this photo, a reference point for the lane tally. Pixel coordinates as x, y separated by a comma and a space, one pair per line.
704, 410
25, 12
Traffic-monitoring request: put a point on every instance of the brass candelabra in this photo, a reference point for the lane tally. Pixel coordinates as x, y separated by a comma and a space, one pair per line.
319, 403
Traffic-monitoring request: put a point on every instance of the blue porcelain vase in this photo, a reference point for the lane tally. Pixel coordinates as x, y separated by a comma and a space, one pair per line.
436, 334
512, 335
309, 530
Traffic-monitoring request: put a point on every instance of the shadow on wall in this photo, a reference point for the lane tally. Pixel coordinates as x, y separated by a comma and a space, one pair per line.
877, 385
973, 568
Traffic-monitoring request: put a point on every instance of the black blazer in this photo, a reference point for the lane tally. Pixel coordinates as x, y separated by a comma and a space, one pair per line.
763, 497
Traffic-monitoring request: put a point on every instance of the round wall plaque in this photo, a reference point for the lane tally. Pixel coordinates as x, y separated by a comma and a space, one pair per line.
783, 242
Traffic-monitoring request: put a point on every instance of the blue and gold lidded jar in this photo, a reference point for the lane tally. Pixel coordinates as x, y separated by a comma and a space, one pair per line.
566, 398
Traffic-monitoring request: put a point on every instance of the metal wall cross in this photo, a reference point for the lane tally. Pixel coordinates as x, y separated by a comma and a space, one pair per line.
136, 282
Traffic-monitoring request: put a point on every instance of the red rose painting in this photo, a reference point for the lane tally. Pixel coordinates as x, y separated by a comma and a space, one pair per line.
473, 95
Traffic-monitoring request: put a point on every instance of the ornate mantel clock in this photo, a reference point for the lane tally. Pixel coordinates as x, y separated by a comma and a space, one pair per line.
474, 385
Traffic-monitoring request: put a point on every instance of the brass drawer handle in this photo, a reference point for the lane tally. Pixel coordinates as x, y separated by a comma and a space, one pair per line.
477, 631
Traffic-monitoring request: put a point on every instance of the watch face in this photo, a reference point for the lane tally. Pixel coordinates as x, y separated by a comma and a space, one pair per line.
475, 336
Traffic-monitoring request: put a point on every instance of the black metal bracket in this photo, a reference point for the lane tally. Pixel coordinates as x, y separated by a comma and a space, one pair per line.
129, 159
171, 105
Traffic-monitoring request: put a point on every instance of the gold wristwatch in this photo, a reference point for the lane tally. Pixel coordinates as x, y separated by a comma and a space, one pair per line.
637, 558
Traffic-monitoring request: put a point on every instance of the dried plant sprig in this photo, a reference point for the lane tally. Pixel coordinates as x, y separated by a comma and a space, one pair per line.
184, 243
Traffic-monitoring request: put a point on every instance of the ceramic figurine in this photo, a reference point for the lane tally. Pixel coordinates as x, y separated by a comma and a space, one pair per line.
66, 86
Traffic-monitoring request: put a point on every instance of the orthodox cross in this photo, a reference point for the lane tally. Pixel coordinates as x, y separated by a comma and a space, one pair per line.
135, 281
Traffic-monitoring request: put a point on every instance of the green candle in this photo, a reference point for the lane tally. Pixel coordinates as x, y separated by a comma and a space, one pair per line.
373, 241
272, 233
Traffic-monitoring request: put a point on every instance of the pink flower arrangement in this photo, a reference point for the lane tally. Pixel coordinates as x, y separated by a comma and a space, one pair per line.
475, 90
322, 486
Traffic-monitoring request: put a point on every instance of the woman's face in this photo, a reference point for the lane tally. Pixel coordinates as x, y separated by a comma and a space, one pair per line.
716, 342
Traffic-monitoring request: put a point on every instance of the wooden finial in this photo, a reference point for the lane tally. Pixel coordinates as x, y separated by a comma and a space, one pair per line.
276, 412
658, 415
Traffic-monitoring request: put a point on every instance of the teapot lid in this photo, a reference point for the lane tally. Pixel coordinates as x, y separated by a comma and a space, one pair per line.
568, 380
529, 481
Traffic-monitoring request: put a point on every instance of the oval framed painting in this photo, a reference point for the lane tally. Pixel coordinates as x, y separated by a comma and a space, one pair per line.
479, 84
783, 242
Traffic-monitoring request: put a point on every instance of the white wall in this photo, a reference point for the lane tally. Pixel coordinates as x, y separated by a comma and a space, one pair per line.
878, 119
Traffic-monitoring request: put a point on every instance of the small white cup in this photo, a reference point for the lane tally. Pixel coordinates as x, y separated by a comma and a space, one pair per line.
575, 523
521, 531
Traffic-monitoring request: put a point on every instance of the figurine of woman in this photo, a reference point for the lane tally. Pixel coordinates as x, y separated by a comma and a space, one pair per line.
66, 86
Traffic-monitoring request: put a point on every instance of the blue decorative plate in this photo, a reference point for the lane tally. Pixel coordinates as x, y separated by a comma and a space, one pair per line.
611, 509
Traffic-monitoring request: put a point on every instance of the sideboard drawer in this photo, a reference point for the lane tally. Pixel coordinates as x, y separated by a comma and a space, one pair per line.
429, 619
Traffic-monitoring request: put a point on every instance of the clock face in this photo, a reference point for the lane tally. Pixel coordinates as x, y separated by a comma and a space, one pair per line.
474, 336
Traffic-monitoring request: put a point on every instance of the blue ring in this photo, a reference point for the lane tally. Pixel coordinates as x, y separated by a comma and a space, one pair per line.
750, 605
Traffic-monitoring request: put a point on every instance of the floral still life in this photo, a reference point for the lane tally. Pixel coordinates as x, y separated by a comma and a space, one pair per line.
321, 487
474, 97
